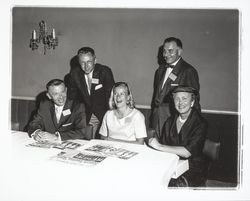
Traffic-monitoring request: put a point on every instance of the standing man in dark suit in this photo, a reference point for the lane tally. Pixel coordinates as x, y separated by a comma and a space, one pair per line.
58, 118
91, 83
175, 72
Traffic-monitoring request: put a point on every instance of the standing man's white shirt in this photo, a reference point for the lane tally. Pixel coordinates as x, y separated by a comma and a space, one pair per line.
168, 72
87, 77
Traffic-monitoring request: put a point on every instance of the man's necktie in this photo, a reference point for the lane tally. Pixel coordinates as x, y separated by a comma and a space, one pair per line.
168, 71
58, 115
170, 66
89, 82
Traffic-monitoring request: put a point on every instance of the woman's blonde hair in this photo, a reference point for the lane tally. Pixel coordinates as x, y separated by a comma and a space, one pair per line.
130, 101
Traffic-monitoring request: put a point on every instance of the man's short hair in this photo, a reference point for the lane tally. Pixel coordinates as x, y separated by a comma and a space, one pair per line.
54, 82
173, 39
86, 50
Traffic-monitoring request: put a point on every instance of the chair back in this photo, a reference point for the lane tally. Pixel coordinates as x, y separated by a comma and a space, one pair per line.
150, 133
15, 126
88, 134
211, 149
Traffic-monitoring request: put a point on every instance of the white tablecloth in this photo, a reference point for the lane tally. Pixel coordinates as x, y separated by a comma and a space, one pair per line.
33, 176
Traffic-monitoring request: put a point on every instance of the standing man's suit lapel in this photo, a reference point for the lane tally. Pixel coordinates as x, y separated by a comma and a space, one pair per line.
177, 68
167, 86
95, 75
82, 85
162, 75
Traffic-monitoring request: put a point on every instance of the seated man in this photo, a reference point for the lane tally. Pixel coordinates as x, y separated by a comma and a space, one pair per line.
58, 118
184, 134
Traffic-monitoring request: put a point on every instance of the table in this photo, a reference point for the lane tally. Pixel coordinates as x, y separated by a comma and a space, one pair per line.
33, 176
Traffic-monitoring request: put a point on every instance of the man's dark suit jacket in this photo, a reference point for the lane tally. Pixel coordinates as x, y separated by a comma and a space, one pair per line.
72, 123
184, 74
97, 102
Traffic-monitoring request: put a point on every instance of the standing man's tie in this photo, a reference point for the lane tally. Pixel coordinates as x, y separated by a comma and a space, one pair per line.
89, 82
168, 72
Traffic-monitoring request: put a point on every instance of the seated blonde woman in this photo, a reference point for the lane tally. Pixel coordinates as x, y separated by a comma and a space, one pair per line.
123, 122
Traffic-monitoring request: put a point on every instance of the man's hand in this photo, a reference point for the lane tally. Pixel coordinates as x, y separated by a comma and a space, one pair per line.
37, 135
42, 136
49, 137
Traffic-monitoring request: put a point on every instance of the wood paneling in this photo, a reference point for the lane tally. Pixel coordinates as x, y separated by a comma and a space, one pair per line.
21, 111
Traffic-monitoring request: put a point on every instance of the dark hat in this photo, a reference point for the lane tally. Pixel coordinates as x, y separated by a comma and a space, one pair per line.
182, 88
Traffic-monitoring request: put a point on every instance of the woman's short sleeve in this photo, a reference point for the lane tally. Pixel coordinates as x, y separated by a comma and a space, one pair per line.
104, 129
140, 127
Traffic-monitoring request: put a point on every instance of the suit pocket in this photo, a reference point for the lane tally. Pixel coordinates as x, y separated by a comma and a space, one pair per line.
68, 124
99, 86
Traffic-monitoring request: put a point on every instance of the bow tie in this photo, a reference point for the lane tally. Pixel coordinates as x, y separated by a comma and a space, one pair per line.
170, 66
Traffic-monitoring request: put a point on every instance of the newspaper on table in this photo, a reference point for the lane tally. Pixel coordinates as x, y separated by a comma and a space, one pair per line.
78, 157
110, 150
64, 145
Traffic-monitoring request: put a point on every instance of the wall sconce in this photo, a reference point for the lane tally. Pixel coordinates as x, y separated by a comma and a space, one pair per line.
48, 40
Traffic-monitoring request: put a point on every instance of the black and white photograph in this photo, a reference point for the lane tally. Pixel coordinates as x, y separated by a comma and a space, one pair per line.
165, 82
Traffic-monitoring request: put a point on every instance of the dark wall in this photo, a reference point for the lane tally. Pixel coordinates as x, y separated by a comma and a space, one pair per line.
128, 40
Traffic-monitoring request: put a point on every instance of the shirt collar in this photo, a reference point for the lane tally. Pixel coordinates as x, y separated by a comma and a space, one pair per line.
59, 107
174, 63
90, 74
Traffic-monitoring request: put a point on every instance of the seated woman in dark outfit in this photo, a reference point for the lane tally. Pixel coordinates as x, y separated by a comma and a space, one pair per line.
184, 134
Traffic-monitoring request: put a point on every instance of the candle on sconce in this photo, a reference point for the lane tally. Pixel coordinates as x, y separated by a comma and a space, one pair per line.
46, 37
45, 28
53, 34
34, 34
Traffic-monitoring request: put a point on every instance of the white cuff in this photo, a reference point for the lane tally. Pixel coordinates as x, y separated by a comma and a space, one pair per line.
58, 136
35, 133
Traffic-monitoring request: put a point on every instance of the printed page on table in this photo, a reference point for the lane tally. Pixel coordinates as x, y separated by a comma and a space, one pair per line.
78, 158
68, 144
109, 149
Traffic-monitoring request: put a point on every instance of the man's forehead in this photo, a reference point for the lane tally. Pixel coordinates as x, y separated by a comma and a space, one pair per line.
170, 45
87, 56
55, 88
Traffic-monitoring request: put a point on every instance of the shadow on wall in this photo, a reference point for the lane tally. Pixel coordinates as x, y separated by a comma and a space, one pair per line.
74, 62
39, 98
160, 58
